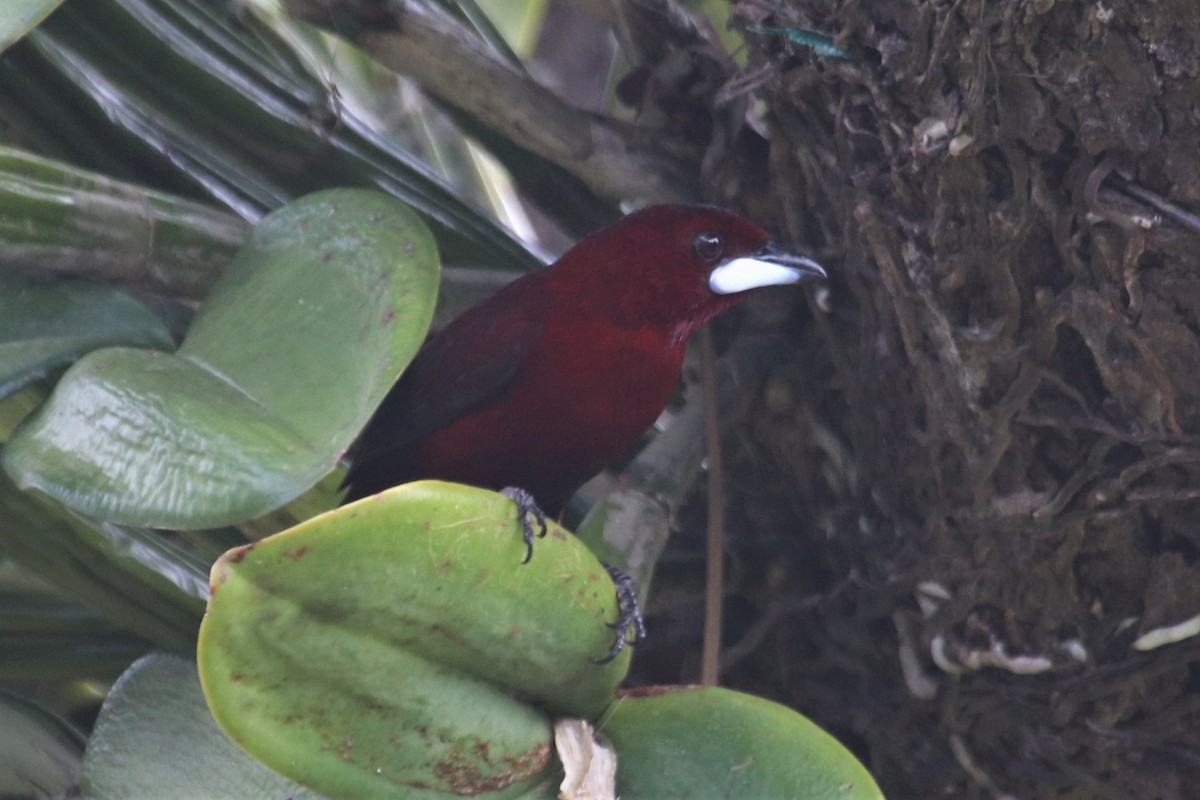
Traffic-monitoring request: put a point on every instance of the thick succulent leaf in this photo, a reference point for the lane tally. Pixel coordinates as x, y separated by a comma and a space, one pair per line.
322, 309
155, 739
39, 753
283, 365
400, 642
46, 325
715, 743
142, 580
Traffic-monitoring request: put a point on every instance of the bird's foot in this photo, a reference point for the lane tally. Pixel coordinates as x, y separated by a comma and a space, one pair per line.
527, 507
628, 611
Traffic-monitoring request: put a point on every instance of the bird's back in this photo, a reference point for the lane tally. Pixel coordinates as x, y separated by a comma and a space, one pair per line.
519, 391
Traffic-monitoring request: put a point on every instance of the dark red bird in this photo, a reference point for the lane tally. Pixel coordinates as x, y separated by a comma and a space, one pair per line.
556, 375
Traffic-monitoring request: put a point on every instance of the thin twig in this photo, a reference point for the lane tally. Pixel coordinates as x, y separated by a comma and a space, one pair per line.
964, 758
616, 159
1175, 212
758, 632
714, 589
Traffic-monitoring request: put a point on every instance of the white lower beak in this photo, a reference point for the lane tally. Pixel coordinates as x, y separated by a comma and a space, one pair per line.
772, 268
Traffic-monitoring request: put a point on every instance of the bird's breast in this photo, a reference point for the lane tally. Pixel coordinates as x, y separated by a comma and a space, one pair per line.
610, 384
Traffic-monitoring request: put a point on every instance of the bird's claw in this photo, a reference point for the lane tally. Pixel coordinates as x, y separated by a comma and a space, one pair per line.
527, 507
629, 614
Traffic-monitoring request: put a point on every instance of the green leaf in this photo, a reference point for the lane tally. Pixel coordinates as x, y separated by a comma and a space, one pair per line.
63, 220
94, 563
146, 581
39, 753
202, 95
400, 642
47, 325
282, 367
155, 739
715, 743
46, 638
21, 16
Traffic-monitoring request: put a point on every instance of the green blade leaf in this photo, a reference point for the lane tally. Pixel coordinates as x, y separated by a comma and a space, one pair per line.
21, 16
155, 738
39, 753
60, 219
46, 638
284, 364
203, 95
48, 325
83, 557
713, 742
390, 643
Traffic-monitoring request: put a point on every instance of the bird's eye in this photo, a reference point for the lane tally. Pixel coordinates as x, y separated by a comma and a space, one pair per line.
709, 246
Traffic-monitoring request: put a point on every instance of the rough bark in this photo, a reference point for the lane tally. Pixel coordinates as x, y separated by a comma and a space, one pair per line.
989, 461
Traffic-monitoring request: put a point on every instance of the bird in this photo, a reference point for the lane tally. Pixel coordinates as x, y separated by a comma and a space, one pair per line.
556, 375
537, 388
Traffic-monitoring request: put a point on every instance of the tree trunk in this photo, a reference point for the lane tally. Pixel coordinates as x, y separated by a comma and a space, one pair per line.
992, 450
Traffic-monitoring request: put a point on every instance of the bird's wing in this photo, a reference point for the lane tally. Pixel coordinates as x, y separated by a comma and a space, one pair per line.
470, 364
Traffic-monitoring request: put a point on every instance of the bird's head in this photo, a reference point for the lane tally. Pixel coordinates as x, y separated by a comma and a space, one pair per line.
679, 265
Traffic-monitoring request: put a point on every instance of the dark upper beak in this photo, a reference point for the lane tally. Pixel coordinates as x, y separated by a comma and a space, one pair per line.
778, 255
